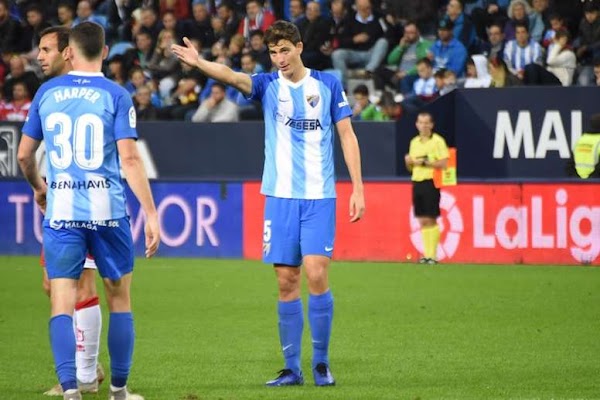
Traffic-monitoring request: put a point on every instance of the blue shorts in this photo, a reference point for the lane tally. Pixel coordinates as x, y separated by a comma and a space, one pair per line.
294, 228
66, 244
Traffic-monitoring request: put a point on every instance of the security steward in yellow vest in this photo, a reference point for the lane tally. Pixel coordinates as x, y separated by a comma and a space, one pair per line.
585, 162
428, 151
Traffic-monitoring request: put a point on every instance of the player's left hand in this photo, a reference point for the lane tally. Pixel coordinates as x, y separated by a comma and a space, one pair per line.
188, 53
357, 206
152, 231
40, 198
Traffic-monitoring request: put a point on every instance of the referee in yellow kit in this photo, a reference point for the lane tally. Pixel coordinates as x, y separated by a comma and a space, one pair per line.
427, 151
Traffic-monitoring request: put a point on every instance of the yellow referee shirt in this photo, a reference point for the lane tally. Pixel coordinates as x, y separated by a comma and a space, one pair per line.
431, 149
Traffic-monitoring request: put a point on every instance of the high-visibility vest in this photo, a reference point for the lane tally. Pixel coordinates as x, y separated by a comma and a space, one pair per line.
586, 154
446, 176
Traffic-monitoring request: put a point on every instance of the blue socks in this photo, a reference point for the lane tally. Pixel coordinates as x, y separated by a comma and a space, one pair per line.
62, 341
320, 316
120, 347
291, 323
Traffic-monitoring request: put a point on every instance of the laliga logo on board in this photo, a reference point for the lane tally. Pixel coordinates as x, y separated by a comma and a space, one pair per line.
452, 231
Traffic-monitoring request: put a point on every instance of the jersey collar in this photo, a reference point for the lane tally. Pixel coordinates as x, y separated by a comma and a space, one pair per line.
294, 84
83, 73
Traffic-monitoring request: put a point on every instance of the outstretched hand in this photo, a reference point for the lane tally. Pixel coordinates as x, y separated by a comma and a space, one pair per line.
187, 54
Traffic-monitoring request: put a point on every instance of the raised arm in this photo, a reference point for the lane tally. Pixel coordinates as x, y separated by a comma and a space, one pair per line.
222, 73
352, 157
138, 182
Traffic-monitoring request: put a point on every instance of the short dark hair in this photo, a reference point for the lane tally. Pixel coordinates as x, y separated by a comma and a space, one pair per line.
89, 39
430, 115
361, 89
219, 85
282, 30
522, 25
62, 35
425, 61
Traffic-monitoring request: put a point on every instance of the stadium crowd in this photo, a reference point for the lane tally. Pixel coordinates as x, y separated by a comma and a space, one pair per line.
409, 52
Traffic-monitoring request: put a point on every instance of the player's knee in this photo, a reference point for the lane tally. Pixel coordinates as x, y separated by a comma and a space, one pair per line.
316, 275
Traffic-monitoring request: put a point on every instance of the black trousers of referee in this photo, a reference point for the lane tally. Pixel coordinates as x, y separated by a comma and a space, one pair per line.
426, 199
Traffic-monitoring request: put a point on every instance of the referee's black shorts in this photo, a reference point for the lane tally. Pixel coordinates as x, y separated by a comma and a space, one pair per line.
426, 199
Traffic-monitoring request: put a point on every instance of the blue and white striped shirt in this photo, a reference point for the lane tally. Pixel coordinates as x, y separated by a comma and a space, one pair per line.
80, 116
299, 134
517, 57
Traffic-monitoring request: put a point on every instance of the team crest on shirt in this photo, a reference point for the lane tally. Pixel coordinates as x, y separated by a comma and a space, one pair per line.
313, 99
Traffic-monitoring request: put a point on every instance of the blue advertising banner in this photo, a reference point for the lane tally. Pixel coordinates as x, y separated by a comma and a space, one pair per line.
525, 132
197, 219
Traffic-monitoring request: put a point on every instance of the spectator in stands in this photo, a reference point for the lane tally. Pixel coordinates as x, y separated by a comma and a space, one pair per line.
362, 43
445, 81
584, 162
117, 71
200, 28
392, 110
315, 32
184, 98
423, 12
85, 12
561, 63
144, 109
170, 22
542, 8
339, 13
400, 73
179, 8
522, 51
597, 72
463, 29
481, 76
501, 76
20, 72
588, 49
66, 15
259, 49
30, 38
164, 65
520, 12
556, 23
484, 13
494, 47
141, 54
17, 108
297, 11
447, 52
231, 22
257, 18
10, 30
361, 101
217, 108
149, 23
424, 88
234, 51
248, 109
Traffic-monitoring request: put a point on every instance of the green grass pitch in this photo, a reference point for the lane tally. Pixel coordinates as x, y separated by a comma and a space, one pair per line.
207, 329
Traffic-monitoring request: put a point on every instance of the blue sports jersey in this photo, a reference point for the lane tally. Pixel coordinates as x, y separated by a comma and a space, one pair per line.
299, 121
80, 116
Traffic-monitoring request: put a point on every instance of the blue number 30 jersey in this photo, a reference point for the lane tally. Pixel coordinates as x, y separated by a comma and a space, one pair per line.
80, 116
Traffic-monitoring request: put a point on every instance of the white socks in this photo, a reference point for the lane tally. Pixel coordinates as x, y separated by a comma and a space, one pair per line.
88, 325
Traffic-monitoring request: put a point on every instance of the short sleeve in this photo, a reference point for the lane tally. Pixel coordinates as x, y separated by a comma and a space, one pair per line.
258, 87
125, 118
340, 108
442, 149
33, 123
